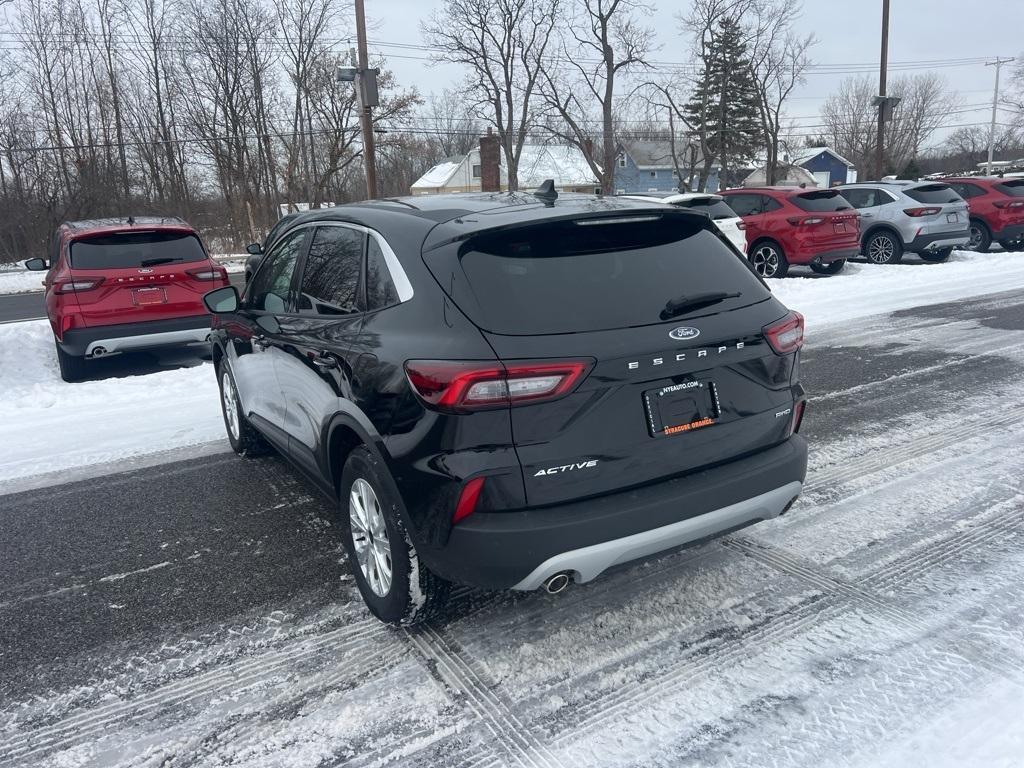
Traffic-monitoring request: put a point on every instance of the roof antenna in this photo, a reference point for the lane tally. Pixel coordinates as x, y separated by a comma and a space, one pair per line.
546, 192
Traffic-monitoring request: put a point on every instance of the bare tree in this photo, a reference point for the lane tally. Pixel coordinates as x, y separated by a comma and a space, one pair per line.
602, 41
452, 126
779, 60
850, 118
503, 44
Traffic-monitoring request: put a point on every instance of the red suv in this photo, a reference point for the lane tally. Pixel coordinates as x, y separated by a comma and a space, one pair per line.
792, 225
996, 208
123, 284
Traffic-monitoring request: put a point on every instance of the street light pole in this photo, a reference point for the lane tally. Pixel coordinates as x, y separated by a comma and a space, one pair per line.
998, 63
365, 114
882, 72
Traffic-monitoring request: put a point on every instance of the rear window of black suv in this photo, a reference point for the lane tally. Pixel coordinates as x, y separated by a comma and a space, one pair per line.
572, 276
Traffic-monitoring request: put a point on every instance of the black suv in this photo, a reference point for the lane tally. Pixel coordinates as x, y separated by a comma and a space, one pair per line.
512, 390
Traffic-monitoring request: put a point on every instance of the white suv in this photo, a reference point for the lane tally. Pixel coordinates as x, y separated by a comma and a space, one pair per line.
714, 206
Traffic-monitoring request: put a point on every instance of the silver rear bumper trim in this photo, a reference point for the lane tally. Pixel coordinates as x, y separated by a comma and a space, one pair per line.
146, 341
587, 563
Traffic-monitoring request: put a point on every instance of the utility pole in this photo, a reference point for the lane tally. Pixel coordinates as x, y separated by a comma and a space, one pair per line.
881, 101
365, 107
998, 63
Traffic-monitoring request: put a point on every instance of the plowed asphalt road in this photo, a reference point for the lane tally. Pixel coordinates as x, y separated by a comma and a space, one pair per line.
198, 612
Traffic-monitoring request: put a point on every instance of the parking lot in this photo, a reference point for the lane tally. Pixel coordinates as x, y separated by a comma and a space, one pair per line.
196, 610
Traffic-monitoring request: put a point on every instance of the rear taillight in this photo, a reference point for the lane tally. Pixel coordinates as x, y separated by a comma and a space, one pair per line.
208, 273
1009, 203
786, 335
740, 225
804, 221
470, 495
798, 416
926, 211
77, 284
463, 385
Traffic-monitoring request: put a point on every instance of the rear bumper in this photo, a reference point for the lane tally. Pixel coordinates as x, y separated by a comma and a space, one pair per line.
112, 339
1010, 233
938, 240
519, 550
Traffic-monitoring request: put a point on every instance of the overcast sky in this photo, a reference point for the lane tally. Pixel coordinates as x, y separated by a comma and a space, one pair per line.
848, 33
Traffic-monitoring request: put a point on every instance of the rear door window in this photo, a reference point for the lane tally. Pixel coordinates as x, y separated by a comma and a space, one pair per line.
863, 198
135, 249
572, 276
746, 205
821, 201
1012, 187
933, 193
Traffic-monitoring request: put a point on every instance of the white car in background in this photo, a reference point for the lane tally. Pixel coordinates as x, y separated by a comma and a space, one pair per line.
714, 206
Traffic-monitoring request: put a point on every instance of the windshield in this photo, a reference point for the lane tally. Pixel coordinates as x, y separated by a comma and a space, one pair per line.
570, 276
822, 200
135, 249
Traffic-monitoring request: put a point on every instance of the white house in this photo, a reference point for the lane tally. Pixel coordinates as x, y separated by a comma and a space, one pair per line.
462, 173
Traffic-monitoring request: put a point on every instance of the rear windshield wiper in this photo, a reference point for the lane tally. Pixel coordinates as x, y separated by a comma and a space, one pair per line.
680, 304
154, 262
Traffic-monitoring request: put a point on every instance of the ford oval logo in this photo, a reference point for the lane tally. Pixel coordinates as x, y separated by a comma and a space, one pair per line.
684, 332
145, 271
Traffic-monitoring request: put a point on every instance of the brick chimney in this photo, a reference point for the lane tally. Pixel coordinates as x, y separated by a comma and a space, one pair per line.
490, 163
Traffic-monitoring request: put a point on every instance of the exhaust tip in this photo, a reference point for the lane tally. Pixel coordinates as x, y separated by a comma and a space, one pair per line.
99, 351
557, 583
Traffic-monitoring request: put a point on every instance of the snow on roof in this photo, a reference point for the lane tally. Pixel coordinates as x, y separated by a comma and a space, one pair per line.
651, 154
790, 175
567, 165
801, 156
439, 175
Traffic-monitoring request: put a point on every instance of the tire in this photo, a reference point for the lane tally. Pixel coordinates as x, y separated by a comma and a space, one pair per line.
72, 367
936, 256
396, 586
768, 260
981, 238
244, 439
1012, 247
829, 269
883, 247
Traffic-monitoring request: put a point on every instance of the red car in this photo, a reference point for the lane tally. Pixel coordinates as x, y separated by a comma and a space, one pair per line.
793, 225
114, 285
996, 208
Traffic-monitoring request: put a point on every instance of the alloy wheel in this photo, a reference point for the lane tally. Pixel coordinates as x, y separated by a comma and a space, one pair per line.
227, 391
370, 537
765, 260
881, 249
975, 242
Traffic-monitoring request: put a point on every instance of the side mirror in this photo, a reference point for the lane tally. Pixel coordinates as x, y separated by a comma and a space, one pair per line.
254, 248
222, 301
36, 265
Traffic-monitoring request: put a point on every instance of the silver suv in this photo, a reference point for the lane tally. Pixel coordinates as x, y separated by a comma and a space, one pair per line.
922, 217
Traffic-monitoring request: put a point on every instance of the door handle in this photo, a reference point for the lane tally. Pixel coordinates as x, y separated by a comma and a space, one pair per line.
866, 215
325, 361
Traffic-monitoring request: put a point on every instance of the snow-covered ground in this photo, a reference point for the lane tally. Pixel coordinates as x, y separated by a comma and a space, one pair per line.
17, 279
49, 425
864, 289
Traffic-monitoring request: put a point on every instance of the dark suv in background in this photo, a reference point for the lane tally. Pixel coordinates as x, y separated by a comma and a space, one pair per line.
513, 391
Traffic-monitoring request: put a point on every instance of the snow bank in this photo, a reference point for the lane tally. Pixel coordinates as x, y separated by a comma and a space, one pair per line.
55, 425
20, 280
861, 290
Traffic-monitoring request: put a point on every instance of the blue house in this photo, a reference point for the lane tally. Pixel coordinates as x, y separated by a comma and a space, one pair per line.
827, 166
646, 166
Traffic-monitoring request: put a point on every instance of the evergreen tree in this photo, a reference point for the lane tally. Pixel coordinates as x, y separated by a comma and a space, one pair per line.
724, 105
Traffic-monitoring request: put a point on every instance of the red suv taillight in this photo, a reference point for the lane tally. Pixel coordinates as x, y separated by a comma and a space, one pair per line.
1009, 203
208, 273
76, 284
917, 212
786, 335
805, 221
466, 385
